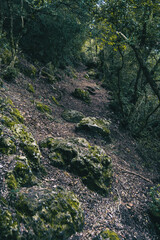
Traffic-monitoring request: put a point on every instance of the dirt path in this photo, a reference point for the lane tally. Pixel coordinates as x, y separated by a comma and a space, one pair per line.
125, 210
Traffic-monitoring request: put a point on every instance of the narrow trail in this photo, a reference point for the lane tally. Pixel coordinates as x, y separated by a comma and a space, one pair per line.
125, 210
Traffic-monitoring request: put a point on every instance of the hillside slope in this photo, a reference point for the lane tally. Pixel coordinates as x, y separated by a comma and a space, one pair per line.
125, 209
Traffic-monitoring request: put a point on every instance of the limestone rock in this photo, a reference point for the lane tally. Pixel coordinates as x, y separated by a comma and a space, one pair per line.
18, 142
40, 213
76, 155
72, 116
82, 95
95, 126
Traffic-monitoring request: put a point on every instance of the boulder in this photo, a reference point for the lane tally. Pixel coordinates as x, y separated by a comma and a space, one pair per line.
76, 155
72, 116
83, 95
95, 126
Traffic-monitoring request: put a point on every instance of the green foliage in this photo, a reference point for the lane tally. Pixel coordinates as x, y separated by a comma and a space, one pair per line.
43, 108
9, 74
155, 205
30, 88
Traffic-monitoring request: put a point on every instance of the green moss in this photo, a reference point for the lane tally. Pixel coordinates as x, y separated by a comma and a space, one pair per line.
107, 234
7, 146
42, 107
82, 95
30, 88
55, 101
17, 115
11, 181
23, 174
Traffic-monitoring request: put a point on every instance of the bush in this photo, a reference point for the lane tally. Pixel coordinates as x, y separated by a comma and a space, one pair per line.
9, 74
155, 205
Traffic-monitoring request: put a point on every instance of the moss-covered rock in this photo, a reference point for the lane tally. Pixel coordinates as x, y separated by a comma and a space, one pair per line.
30, 88
43, 108
76, 155
107, 235
82, 95
95, 126
14, 135
41, 213
72, 116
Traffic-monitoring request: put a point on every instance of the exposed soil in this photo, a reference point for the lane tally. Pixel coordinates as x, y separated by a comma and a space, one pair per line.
125, 209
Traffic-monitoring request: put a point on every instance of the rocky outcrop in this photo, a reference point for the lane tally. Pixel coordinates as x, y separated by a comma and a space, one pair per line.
76, 155
28, 208
40, 213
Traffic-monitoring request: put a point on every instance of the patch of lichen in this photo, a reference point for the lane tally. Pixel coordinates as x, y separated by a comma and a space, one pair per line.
76, 155
82, 95
30, 88
43, 108
95, 126
107, 234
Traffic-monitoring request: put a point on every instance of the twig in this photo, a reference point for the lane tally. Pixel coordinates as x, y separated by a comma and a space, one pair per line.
136, 174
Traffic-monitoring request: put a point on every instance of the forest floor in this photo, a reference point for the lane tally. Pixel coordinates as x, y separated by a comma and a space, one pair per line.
125, 209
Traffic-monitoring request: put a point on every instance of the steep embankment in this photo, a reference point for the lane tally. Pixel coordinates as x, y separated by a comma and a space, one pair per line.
125, 209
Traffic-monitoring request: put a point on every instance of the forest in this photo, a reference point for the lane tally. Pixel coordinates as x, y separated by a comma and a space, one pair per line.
79, 119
